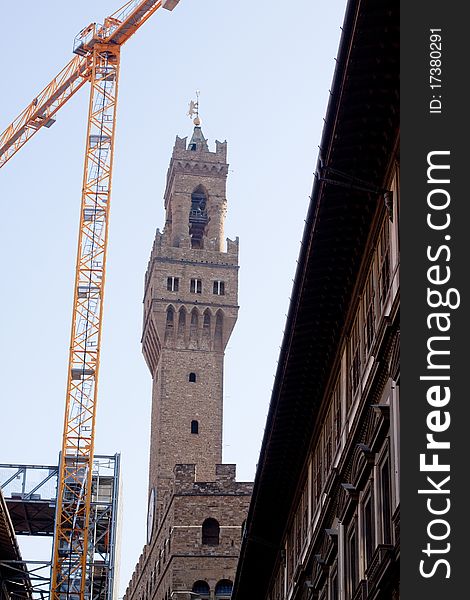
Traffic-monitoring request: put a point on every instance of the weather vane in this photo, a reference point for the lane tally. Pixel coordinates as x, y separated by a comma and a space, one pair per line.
194, 110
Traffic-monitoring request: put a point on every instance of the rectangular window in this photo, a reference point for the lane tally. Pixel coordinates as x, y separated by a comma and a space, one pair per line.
369, 312
352, 562
336, 403
282, 577
384, 263
368, 529
328, 428
317, 476
385, 501
355, 357
290, 555
298, 536
172, 284
219, 288
304, 514
334, 591
195, 286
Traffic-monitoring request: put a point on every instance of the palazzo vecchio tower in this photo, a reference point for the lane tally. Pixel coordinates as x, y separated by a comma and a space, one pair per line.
196, 507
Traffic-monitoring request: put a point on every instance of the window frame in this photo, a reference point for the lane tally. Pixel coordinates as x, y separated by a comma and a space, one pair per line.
218, 287
172, 283
369, 310
385, 496
212, 536
355, 356
369, 534
352, 559
333, 583
195, 285
384, 263
223, 594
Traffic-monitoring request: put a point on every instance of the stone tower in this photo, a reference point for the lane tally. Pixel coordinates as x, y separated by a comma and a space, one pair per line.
196, 507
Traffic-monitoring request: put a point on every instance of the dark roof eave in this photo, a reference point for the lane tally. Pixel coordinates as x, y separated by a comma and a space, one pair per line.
266, 520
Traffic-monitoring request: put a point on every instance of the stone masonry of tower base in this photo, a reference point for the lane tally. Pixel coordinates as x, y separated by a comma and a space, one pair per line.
177, 558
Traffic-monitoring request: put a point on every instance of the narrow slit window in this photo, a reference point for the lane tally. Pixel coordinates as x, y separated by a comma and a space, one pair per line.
195, 427
192, 377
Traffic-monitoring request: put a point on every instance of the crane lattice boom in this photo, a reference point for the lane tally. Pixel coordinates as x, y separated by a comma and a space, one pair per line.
42, 109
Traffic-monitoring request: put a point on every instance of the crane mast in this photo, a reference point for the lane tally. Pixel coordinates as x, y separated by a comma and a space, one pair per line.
71, 567
97, 57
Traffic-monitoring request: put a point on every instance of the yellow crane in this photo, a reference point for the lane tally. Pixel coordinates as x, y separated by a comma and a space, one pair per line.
97, 53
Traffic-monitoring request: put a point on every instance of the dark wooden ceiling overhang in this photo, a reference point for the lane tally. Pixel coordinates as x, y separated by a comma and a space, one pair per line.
14, 578
359, 136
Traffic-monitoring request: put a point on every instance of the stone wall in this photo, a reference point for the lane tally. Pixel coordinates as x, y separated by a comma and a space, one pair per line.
176, 558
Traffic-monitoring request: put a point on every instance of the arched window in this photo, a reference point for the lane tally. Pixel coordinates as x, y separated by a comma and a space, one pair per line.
210, 532
181, 322
170, 316
194, 426
206, 329
223, 589
193, 329
170, 321
218, 336
201, 588
192, 377
198, 217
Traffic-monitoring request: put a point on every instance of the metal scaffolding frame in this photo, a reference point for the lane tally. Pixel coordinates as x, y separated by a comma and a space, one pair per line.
30, 493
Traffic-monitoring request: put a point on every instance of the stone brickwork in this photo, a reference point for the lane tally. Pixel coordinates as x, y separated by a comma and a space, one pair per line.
177, 558
190, 309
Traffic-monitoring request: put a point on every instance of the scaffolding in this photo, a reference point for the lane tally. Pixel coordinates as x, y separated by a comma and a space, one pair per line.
30, 493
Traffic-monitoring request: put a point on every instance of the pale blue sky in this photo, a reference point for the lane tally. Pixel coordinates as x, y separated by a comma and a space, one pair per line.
264, 70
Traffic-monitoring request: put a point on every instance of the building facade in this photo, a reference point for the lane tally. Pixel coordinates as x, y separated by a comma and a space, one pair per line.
324, 519
196, 506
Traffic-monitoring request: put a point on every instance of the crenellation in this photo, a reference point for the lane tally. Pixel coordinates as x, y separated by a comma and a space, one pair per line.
221, 149
184, 475
233, 246
180, 143
225, 473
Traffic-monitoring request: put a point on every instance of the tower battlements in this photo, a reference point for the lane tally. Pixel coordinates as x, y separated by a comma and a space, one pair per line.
195, 194
182, 150
196, 506
225, 481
